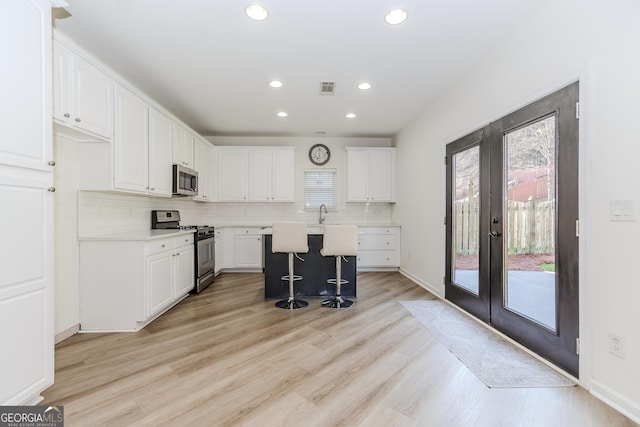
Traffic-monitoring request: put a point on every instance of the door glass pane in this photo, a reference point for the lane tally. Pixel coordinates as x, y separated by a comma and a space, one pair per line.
466, 204
529, 221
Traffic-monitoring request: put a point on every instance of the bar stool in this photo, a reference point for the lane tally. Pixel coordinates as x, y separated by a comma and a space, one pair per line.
290, 238
339, 241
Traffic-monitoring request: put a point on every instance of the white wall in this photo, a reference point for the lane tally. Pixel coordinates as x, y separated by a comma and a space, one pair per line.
597, 43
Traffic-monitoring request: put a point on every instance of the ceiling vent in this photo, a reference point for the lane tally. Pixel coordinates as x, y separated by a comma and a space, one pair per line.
327, 88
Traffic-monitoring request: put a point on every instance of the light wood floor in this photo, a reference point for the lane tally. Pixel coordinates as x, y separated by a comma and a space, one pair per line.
228, 357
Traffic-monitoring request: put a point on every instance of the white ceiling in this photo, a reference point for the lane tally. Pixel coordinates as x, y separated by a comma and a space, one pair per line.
209, 64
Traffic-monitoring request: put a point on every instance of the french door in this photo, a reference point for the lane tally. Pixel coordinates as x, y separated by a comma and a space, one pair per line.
512, 211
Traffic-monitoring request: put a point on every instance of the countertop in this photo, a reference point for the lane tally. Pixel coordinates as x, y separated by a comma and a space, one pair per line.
142, 235
319, 228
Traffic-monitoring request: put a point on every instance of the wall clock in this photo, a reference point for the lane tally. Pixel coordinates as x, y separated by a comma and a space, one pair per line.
319, 154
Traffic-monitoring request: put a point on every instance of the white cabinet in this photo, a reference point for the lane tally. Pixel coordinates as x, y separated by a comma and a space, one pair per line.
183, 146
125, 284
205, 158
371, 174
219, 251
83, 95
271, 175
256, 174
378, 248
233, 174
160, 153
138, 160
248, 248
131, 142
26, 220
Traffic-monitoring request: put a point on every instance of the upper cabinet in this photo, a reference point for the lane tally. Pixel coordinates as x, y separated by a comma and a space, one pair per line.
256, 174
183, 146
371, 174
160, 153
82, 96
206, 165
131, 142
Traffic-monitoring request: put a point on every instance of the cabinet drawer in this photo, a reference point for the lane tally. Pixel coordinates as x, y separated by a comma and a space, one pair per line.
377, 230
377, 259
185, 240
248, 230
376, 242
158, 246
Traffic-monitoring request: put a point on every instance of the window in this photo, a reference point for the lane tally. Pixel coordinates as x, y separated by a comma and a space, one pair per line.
319, 188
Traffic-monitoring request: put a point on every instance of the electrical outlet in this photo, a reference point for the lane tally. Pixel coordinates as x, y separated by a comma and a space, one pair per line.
616, 345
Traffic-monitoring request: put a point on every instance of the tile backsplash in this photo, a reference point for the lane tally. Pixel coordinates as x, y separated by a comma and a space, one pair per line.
105, 213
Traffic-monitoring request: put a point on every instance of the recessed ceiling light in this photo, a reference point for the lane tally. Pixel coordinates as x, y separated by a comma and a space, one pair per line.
275, 83
351, 116
364, 86
282, 114
256, 12
395, 16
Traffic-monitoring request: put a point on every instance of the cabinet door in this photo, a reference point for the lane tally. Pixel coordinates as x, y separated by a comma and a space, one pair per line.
160, 137
185, 270
357, 175
92, 99
248, 251
219, 254
26, 284
202, 156
381, 175
233, 165
62, 83
159, 279
183, 146
131, 142
260, 167
282, 176
25, 84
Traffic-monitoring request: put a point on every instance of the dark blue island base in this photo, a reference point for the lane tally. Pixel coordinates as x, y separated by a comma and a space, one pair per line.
315, 271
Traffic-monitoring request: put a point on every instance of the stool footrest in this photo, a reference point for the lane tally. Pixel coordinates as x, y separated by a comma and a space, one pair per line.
295, 277
334, 281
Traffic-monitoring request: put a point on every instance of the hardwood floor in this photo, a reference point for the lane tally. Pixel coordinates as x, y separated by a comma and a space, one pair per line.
227, 357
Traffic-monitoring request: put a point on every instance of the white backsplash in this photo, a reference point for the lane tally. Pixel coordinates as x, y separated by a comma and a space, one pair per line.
105, 213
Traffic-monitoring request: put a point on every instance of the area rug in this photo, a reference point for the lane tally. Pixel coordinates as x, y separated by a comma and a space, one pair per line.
494, 360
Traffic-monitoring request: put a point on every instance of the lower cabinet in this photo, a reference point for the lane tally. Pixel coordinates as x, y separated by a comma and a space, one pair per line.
241, 250
378, 248
125, 284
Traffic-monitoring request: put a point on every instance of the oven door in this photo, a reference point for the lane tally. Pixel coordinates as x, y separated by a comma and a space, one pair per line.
206, 255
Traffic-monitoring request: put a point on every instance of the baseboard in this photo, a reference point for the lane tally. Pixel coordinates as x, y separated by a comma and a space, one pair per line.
427, 286
615, 400
69, 332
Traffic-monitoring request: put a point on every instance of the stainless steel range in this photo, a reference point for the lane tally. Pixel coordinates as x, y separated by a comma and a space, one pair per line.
204, 245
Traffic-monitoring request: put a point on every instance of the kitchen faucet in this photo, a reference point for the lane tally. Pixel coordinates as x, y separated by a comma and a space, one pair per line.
322, 218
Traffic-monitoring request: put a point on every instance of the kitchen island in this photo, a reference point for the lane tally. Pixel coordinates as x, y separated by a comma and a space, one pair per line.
315, 270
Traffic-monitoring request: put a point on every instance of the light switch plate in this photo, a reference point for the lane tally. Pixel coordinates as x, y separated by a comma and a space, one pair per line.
621, 210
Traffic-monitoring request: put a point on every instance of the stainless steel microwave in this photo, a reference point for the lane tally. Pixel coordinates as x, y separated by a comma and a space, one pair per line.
185, 181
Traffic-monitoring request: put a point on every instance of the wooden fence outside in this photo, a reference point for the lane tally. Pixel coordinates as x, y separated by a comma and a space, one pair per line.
531, 227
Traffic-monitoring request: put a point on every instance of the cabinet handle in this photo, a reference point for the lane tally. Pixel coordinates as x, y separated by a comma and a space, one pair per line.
78, 120
51, 189
152, 189
162, 246
51, 163
67, 115
186, 240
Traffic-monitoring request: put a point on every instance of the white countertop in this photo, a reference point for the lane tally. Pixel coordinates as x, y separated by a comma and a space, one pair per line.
138, 235
319, 228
